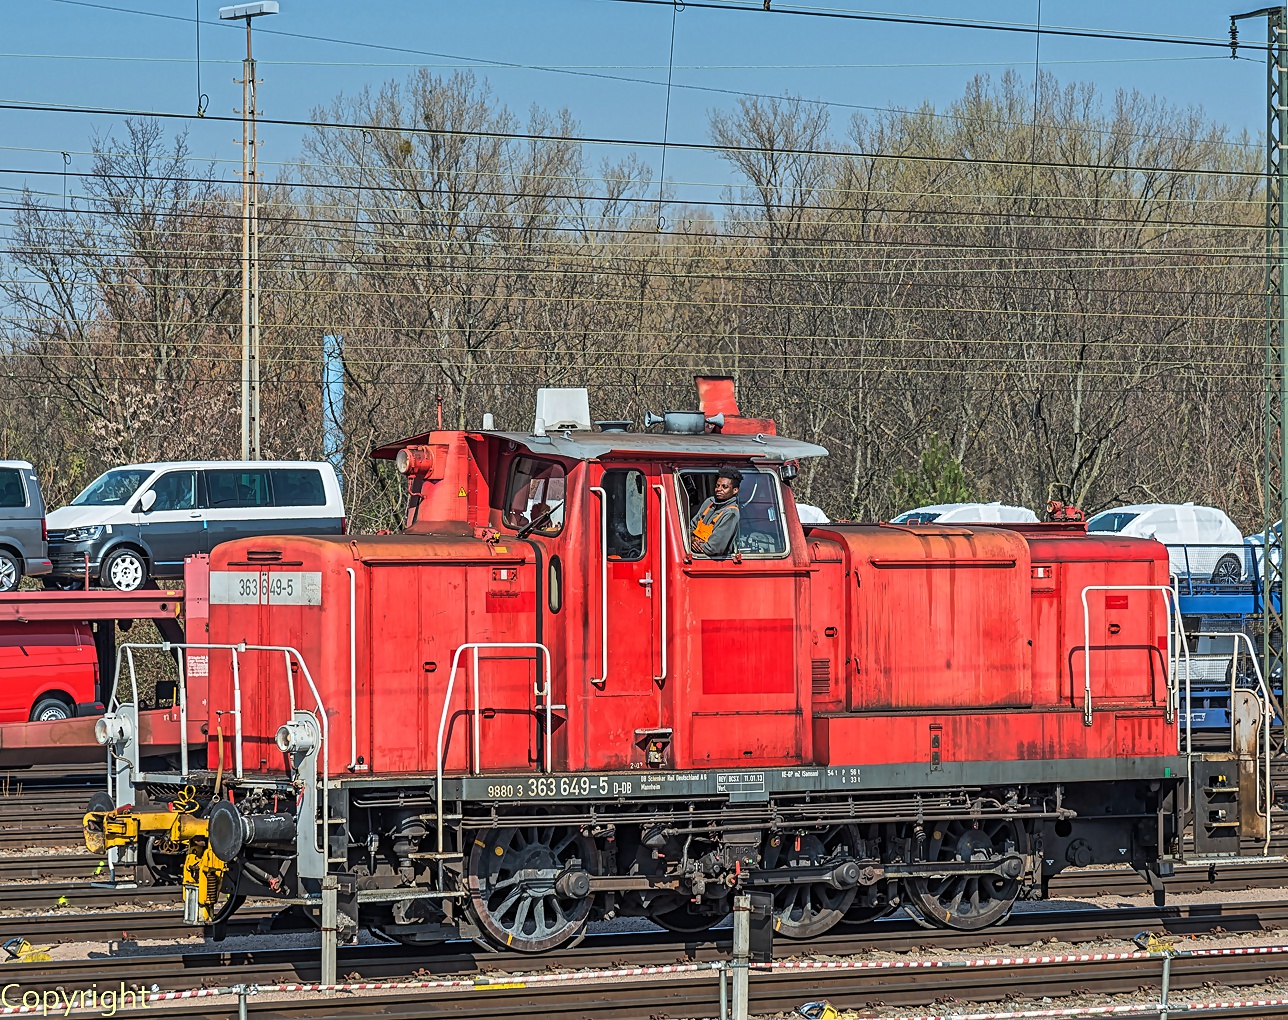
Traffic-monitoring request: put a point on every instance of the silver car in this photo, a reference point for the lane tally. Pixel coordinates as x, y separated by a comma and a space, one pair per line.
24, 545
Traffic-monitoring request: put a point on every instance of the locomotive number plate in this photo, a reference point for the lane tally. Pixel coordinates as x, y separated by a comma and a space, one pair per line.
266, 588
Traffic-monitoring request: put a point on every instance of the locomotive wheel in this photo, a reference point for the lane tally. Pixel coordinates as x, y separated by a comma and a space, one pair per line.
529, 887
807, 911
968, 902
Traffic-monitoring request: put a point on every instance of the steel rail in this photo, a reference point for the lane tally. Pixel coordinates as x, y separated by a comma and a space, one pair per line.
691, 990
187, 967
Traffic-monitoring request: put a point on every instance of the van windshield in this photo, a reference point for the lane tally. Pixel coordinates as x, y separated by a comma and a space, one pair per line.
916, 517
112, 488
1110, 521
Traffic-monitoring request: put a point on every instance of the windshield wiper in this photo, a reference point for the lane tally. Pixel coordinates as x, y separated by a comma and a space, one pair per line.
541, 518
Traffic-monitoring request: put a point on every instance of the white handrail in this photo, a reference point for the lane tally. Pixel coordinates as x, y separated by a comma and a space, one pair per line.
474, 646
1267, 716
237, 717
353, 670
1168, 596
289, 653
183, 717
602, 679
662, 565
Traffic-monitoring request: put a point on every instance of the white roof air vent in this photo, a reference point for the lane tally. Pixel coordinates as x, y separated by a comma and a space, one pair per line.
560, 409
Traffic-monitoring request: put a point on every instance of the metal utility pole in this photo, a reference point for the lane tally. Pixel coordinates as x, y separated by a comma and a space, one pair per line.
250, 231
1275, 474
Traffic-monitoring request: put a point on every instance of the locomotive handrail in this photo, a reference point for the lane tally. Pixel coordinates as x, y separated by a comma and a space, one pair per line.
353, 669
475, 646
602, 679
1174, 585
288, 653
1267, 715
662, 564
1169, 604
115, 702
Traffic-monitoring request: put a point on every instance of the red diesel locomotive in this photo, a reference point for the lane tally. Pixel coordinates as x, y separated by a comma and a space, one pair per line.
538, 706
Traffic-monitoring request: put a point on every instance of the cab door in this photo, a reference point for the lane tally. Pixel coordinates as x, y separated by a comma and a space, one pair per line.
623, 714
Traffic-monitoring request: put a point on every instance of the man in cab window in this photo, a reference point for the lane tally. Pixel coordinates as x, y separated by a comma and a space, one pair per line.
715, 529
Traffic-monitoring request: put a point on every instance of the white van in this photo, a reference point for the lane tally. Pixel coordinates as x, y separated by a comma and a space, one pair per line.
1202, 542
967, 513
139, 521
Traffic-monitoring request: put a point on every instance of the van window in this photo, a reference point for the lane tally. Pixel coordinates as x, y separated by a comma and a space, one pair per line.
113, 487
297, 487
535, 492
236, 487
176, 490
11, 490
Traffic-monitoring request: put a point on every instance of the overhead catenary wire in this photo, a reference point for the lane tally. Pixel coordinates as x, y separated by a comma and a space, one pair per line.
620, 142
834, 14
778, 9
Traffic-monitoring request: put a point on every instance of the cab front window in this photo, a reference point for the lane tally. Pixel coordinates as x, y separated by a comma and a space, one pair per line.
534, 497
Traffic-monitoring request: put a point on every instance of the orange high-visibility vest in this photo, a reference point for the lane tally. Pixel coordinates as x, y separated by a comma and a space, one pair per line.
703, 528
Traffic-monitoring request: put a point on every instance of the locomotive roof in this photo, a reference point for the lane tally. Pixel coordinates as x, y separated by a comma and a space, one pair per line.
594, 445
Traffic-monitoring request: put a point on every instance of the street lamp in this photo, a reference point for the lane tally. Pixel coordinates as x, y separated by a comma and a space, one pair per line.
250, 232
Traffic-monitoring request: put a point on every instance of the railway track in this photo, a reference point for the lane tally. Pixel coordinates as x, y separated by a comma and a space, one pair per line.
506, 983
22, 867
196, 967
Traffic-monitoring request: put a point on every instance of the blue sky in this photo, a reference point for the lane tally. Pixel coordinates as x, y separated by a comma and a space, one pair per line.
108, 54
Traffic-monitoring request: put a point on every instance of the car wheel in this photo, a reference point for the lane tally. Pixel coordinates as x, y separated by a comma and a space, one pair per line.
10, 571
124, 570
1228, 570
50, 709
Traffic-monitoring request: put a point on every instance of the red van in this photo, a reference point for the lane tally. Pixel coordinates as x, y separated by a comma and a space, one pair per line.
48, 671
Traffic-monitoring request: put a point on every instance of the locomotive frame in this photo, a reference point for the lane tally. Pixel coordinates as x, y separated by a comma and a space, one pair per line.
854, 717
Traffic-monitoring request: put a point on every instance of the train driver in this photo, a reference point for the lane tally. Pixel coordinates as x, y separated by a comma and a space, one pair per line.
715, 529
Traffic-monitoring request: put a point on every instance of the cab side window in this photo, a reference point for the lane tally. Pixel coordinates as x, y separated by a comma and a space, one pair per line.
626, 505
760, 518
535, 496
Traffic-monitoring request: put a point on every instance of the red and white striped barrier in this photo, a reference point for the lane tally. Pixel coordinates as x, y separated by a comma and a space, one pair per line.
61, 1003
1009, 961
58, 1002
1130, 1009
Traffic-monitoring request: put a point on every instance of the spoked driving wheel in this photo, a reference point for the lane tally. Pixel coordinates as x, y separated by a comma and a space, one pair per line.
530, 885
969, 902
805, 910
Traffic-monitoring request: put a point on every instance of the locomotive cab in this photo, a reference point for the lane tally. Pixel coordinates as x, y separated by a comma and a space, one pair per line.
539, 704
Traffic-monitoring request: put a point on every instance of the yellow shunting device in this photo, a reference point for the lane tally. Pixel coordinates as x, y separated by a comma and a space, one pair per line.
203, 872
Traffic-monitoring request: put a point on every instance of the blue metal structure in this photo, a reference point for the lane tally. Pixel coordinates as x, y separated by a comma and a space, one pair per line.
1230, 604
333, 402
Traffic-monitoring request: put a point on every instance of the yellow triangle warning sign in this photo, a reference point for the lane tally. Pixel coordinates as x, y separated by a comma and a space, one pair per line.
461, 494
